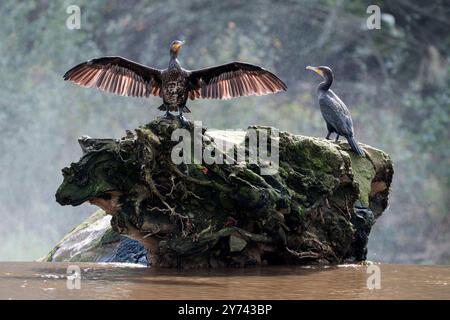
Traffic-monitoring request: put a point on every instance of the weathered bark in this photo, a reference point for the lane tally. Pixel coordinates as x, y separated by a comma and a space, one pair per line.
318, 208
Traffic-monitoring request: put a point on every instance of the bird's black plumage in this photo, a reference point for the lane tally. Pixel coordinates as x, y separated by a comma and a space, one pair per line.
334, 111
175, 84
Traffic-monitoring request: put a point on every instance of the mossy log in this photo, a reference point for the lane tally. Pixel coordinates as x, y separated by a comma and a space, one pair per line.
318, 207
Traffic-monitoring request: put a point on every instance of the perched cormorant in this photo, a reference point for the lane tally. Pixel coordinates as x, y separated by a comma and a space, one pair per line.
334, 111
174, 84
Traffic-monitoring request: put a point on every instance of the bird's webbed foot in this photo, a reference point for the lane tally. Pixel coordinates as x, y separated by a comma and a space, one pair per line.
167, 114
183, 120
337, 139
328, 136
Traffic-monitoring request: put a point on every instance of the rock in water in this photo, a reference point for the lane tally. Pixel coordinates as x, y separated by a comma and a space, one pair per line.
95, 241
317, 207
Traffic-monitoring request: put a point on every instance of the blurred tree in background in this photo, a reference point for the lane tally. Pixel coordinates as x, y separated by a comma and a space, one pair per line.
395, 81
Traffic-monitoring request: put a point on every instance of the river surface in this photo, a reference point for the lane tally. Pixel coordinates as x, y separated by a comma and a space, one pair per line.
36, 280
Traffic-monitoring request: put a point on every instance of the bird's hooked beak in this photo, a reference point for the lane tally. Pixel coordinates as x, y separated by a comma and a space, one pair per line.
316, 70
176, 46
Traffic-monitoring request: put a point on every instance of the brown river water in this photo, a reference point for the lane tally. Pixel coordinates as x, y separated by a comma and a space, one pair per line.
36, 280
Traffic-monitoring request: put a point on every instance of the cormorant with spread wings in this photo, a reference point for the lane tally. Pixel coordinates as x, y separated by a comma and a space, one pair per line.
174, 84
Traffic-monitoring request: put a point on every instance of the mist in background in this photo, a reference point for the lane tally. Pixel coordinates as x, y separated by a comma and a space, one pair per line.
395, 82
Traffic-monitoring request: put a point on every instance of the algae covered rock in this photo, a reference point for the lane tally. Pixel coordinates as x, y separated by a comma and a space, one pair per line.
317, 206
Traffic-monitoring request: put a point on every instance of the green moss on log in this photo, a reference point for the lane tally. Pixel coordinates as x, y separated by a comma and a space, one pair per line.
318, 208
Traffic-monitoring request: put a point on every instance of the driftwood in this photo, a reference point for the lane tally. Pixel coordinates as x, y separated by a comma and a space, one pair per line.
318, 207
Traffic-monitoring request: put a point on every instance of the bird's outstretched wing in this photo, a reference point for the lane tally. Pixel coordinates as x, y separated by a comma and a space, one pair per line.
231, 80
117, 75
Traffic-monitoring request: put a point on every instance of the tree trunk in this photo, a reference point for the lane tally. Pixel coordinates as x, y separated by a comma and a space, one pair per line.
317, 207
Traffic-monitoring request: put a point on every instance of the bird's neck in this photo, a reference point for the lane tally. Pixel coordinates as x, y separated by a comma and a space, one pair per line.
325, 85
173, 62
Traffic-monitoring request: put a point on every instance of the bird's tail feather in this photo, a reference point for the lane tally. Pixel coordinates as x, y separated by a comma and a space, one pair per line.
354, 145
